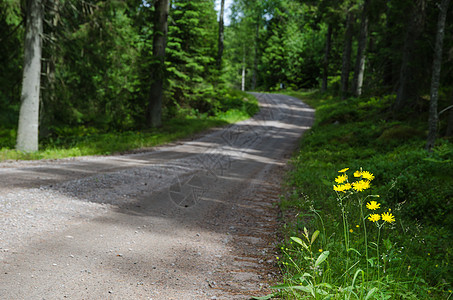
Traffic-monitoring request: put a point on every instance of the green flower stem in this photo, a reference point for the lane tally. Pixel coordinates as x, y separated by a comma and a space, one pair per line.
345, 230
366, 239
346, 239
377, 251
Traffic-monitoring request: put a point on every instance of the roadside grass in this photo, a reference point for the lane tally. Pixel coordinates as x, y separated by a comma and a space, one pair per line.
331, 249
82, 140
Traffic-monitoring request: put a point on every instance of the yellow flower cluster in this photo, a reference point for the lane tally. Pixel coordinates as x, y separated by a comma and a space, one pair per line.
374, 217
341, 178
364, 174
342, 187
387, 216
373, 205
360, 185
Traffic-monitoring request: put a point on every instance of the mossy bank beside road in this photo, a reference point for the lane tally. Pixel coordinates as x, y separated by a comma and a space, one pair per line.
382, 227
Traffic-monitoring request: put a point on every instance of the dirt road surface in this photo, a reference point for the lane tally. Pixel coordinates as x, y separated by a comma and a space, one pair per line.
192, 220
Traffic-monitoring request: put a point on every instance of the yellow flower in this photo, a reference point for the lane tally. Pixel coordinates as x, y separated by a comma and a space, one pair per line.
373, 205
343, 170
374, 217
361, 185
341, 178
350, 230
388, 217
357, 174
367, 175
342, 187
357, 226
320, 250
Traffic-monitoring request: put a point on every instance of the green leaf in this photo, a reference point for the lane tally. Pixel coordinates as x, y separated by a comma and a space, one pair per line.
299, 241
321, 292
371, 293
307, 289
326, 285
280, 287
314, 236
322, 258
265, 297
354, 250
359, 271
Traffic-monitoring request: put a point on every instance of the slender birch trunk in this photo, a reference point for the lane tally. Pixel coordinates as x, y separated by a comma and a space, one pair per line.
243, 72
255, 59
359, 69
221, 35
27, 132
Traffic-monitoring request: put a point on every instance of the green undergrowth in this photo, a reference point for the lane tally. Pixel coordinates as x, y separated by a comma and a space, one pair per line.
66, 141
406, 259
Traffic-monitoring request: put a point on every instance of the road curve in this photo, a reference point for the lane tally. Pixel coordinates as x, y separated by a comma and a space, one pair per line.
193, 220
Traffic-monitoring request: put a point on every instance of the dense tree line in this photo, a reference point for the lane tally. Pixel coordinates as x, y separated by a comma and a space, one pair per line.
110, 65
352, 47
122, 64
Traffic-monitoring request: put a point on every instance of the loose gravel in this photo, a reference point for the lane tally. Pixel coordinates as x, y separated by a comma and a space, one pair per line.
191, 221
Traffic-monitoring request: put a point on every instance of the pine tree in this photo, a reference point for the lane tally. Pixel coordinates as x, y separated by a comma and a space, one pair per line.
192, 54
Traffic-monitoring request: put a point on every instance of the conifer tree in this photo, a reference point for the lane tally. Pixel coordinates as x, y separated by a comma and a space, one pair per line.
192, 53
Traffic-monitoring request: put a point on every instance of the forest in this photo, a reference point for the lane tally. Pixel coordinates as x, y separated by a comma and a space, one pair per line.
76, 74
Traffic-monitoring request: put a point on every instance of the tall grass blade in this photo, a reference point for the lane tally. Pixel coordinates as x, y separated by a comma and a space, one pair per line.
371, 293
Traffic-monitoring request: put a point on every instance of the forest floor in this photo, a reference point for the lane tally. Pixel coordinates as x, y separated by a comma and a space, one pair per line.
193, 220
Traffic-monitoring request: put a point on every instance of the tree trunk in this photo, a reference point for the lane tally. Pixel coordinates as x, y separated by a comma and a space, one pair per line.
360, 60
243, 72
255, 60
389, 64
325, 74
27, 132
435, 79
154, 117
407, 88
345, 69
48, 105
221, 35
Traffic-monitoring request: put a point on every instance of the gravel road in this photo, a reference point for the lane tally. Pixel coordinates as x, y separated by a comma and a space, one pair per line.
192, 220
